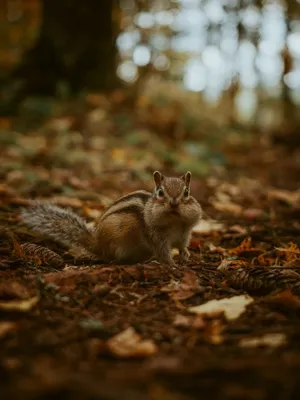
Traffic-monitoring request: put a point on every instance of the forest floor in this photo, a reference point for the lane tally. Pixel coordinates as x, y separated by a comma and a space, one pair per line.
77, 330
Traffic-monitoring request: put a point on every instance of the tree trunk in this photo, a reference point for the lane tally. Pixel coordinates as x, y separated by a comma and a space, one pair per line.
76, 45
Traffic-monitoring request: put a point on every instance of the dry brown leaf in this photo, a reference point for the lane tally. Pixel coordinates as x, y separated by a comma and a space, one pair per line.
6, 327
64, 201
195, 243
13, 290
228, 207
213, 332
285, 298
290, 253
238, 229
227, 266
244, 247
232, 307
184, 321
267, 258
253, 213
6, 192
284, 256
216, 249
92, 213
129, 344
291, 198
268, 340
20, 305
185, 289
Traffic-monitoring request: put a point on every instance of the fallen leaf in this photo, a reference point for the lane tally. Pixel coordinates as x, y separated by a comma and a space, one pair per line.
238, 229
289, 197
285, 256
253, 213
164, 363
227, 266
244, 247
91, 324
269, 340
213, 332
6, 192
185, 289
6, 326
232, 307
290, 253
228, 206
92, 213
13, 290
22, 305
61, 124
129, 344
11, 363
195, 243
216, 249
184, 321
284, 299
207, 226
65, 201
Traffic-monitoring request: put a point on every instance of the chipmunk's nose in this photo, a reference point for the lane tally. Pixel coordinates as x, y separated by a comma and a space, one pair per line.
174, 203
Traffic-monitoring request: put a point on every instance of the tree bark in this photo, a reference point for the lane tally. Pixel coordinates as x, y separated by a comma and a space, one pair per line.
76, 45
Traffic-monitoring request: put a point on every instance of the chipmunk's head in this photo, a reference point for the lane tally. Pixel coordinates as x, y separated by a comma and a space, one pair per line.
172, 192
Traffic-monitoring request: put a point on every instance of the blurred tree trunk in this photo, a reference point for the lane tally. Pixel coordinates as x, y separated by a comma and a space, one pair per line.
76, 45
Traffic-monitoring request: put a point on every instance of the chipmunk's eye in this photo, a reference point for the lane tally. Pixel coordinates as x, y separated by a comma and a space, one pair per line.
186, 192
160, 193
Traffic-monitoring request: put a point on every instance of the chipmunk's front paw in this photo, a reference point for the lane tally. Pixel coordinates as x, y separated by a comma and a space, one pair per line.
184, 255
168, 260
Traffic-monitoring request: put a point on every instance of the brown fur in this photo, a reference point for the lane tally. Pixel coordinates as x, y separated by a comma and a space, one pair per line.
133, 229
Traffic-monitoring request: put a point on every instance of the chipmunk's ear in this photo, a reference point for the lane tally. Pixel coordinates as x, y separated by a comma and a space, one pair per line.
186, 178
158, 178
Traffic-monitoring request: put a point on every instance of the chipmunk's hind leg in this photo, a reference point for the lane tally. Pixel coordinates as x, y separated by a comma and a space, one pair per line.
121, 239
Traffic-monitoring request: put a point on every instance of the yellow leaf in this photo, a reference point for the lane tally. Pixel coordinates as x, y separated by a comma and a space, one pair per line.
20, 305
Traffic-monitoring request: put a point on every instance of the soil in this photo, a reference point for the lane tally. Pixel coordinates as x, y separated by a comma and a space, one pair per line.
57, 348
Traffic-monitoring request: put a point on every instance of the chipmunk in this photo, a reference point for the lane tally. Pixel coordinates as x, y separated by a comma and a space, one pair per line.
135, 228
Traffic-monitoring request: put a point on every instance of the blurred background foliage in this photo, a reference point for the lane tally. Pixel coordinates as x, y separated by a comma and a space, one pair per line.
194, 72
240, 55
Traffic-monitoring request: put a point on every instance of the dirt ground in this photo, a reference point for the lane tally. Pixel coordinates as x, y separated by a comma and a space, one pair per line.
79, 330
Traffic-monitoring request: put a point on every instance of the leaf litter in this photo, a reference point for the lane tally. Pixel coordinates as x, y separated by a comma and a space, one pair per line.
129, 344
19, 305
248, 246
269, 340
232, 307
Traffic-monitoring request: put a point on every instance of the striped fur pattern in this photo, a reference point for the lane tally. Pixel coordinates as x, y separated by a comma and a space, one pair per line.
171, 216
135, 228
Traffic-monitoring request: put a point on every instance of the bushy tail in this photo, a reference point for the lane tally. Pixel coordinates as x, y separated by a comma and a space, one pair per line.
61, 225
